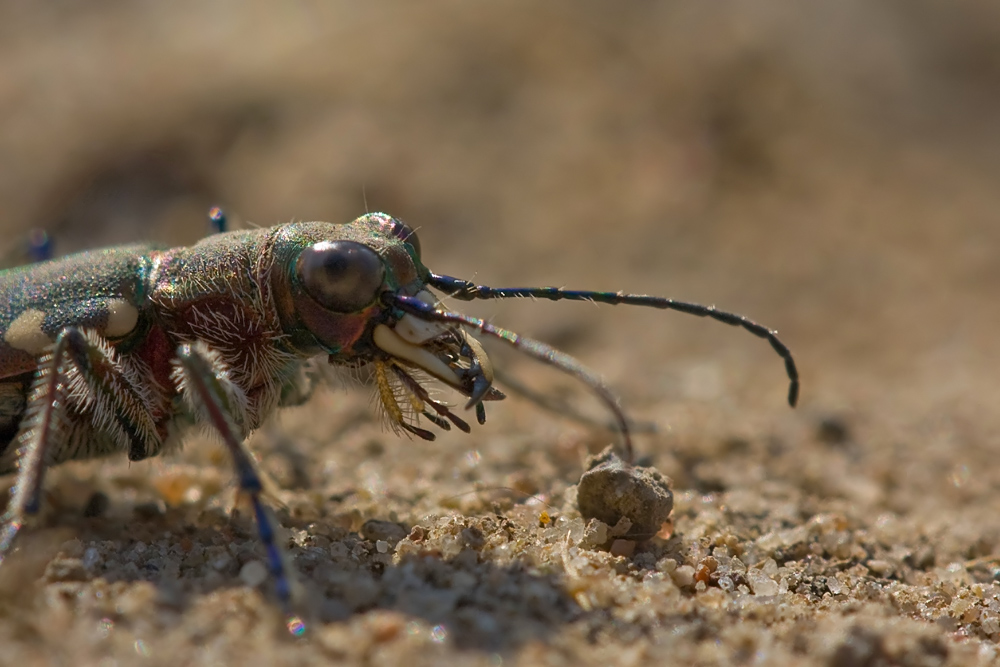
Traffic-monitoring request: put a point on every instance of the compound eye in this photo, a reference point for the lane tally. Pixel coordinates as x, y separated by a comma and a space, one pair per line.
403, 232
343, 276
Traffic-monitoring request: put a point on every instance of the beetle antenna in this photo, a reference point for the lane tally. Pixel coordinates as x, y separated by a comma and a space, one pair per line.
533, 348
514, 386
468, 291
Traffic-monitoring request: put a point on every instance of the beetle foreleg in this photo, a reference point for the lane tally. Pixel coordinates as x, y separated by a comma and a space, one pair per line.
211, 393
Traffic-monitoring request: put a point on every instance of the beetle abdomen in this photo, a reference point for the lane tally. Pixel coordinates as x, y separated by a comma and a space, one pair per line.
105, 291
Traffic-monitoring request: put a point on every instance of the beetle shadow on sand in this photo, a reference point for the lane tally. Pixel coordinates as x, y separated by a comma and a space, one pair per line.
479, 606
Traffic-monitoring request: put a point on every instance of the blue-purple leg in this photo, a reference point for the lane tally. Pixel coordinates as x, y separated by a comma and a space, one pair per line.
205, 382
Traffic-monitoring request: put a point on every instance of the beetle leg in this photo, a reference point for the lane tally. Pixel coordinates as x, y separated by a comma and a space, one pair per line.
205, 383
43, 426
82, 370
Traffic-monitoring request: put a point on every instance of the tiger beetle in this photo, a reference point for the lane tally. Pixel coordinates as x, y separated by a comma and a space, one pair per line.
122, 350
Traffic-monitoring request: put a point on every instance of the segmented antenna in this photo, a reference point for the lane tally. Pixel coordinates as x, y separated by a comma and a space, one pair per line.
467, 291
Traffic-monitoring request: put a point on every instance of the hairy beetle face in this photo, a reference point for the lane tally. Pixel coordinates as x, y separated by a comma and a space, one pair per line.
329, 296
341, 276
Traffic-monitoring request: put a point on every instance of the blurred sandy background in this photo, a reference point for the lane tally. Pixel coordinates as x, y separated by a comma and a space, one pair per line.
830, 170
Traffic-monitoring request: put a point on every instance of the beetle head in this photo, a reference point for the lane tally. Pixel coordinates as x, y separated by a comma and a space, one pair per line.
336, 296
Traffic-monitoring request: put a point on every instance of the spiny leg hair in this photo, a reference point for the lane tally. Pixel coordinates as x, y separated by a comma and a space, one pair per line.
80, 369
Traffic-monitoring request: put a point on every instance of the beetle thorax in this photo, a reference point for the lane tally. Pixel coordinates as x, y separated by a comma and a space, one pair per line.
229, 307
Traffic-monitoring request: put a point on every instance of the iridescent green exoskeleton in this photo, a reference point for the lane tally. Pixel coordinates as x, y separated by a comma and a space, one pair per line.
121, 350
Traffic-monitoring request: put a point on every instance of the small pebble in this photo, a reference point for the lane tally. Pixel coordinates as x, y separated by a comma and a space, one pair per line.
879, 566
684, 575
386, 531
761, 583
91, 557
253, 573
221, 562
595, 534
613, 491
623, 548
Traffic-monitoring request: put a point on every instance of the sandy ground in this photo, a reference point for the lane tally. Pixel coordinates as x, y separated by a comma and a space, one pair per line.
831, 172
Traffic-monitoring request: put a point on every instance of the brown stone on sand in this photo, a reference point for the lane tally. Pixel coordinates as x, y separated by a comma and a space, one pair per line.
610, 489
